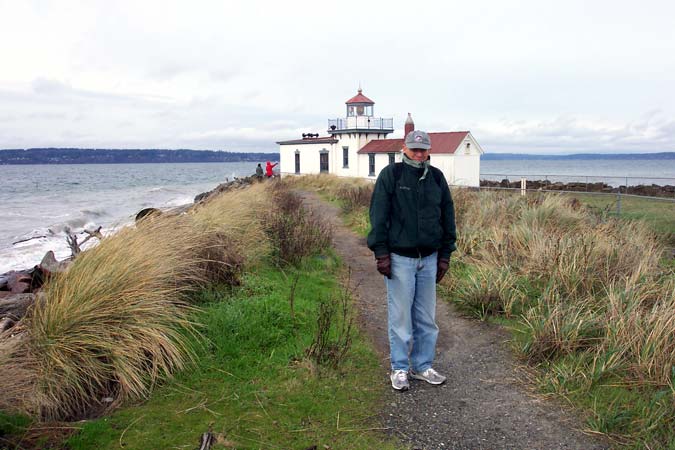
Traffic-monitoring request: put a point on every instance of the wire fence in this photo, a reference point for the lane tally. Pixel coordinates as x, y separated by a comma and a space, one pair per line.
620, 195
639, 186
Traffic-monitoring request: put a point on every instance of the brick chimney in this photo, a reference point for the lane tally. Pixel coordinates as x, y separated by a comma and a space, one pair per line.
409, 125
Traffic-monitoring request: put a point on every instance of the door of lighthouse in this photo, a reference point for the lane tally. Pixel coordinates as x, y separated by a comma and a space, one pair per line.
323, 162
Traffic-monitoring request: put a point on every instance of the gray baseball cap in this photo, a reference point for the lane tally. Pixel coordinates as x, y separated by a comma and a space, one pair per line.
418, 139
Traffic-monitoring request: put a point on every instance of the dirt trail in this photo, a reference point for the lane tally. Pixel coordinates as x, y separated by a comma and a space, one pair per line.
483, 405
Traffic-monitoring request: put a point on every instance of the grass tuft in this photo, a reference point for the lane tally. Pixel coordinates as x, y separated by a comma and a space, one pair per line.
112, 326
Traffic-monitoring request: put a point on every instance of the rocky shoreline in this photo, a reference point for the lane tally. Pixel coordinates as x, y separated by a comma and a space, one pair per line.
653, 190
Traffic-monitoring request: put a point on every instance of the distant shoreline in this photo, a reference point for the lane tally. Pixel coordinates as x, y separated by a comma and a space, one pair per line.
34, 156
579, 156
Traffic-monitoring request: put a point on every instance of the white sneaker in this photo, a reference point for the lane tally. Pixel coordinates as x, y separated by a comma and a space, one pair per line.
429, 375
399, 380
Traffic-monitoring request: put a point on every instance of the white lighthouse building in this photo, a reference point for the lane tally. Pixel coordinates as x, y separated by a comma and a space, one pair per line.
357, 146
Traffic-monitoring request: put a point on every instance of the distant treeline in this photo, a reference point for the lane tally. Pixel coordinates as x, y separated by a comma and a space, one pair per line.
113, 156
513, 156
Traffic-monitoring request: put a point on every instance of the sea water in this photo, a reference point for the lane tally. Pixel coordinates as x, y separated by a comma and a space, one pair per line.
614, 172
39, 202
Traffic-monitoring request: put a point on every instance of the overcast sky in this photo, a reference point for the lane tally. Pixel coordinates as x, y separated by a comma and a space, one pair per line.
523, 76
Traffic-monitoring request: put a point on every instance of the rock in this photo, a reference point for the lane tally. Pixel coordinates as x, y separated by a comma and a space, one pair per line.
6, 323
143, 213
16, 305
50, 265
19, 282
237, 183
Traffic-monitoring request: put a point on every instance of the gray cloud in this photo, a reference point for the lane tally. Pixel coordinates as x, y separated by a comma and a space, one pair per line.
567, 78
570, 134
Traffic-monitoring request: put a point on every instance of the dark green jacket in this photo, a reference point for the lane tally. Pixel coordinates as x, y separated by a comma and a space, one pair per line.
410, 217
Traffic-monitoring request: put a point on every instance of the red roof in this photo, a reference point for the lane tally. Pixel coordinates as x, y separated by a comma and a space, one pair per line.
360, 98
446, 142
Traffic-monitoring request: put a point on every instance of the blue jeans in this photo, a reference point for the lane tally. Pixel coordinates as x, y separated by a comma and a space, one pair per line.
411, 302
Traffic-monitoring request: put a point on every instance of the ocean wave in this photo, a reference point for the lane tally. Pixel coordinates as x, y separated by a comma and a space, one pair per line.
178, 201
162, 189
97, 212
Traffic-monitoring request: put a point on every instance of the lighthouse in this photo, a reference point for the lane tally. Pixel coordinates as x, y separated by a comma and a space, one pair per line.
356, 129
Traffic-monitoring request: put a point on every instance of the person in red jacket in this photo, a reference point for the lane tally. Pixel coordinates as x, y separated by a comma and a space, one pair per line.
268, 169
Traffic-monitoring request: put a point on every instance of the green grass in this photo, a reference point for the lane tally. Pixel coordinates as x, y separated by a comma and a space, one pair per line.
659, 214
634, 417
12, 425
252, 383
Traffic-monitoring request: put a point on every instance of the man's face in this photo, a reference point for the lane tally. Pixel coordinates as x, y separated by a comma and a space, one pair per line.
416, 154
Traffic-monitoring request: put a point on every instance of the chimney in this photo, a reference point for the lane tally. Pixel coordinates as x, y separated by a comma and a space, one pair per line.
409, 126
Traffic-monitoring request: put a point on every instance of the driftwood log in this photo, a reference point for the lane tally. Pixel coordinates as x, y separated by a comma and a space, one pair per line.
75, 247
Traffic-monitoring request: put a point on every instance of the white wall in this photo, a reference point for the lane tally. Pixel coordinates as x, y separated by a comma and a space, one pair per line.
446, 163
309, 158
467, 170
467, 164
355, 141
381, 161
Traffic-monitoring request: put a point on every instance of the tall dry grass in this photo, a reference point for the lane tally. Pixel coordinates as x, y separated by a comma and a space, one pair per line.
118, 321
236, 216
113, 325
588, 283
353, 193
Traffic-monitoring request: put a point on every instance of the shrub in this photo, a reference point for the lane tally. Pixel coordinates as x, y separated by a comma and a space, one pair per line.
354, 197
333, 337
295, 231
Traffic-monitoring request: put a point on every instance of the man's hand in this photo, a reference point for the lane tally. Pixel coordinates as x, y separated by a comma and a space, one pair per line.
384, 265
442, 268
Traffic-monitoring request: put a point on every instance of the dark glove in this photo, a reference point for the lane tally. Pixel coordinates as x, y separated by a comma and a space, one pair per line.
384, 265
442, 268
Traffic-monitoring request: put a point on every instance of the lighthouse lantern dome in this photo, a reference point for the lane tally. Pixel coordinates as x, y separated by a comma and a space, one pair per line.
359, 105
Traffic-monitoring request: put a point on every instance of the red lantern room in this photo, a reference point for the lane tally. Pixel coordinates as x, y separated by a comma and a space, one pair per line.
359, 105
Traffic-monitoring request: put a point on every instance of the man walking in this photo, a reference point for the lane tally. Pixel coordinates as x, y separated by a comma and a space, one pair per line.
412, 234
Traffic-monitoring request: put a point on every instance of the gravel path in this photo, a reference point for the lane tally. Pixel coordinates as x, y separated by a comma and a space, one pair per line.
484, 404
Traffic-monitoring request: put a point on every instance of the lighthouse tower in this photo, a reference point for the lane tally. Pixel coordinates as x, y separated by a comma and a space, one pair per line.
355, 130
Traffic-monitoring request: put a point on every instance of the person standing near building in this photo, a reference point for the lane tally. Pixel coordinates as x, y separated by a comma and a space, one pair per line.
412, 235
268, 169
